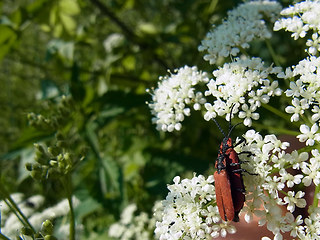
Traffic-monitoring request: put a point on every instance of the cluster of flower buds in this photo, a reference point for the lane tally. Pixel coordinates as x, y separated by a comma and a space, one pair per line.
58, 114
54, 161
45, 233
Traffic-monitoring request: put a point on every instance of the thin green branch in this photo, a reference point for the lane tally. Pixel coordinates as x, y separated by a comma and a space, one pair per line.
3, 237
275, 129
68, 187
103, 8
72, 220
13, 209
315, 199
131, 36
272, 52
279, 113
243, 51
275, 111
16, 210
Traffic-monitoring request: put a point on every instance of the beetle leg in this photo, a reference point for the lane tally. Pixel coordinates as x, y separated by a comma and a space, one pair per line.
240, 141
243, 170
246, 152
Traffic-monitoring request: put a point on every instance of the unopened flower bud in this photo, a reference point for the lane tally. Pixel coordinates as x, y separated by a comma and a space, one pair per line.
50, 237
29, 166
47, 227
27, 231
54, 151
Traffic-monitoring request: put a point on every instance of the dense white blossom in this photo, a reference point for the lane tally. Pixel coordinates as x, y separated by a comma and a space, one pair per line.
268, 159
299, 19
309, 135
243, 24
312, 169
173, 97
305, 94
295, 199
304, 91
244, 82
189, 211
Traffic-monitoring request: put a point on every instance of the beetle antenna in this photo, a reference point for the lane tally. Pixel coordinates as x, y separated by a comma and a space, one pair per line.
230, 126
230, 115
221, 130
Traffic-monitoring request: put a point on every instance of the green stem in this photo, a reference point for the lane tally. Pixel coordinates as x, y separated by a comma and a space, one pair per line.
283, 192
272, 52
275, 129
15, 209
279, 113
315, 199
306, 149
68, 185
305, 119
275, 111
3, 237
243, 51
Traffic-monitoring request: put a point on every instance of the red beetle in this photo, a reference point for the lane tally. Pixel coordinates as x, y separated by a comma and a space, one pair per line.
228, 178
234, 171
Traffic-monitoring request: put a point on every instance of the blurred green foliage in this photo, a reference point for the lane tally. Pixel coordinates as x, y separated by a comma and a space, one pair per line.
102, 55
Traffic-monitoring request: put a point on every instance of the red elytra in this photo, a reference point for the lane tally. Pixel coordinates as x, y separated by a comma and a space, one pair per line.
234, 171
230, 197
224, 195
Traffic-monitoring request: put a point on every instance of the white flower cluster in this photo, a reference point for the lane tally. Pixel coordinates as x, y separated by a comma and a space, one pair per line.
268, 159
175, 93
245, 82
305, 94
300, 18
133, 226
244, 24
11, 225
189, 211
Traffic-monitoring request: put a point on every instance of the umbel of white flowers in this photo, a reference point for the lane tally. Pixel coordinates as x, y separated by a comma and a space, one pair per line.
190, 210
248, 83
244, 81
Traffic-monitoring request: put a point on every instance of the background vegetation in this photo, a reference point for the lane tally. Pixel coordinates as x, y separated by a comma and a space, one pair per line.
101, 55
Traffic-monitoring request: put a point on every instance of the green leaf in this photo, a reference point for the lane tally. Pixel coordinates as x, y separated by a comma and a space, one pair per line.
109, 177
6, 34
30, 136
36, 5
147, 28
7, 39
16, 17
86, 207
69, 7
57, 30
129, 62
4, 49
108, 170
53, 15
68, 23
